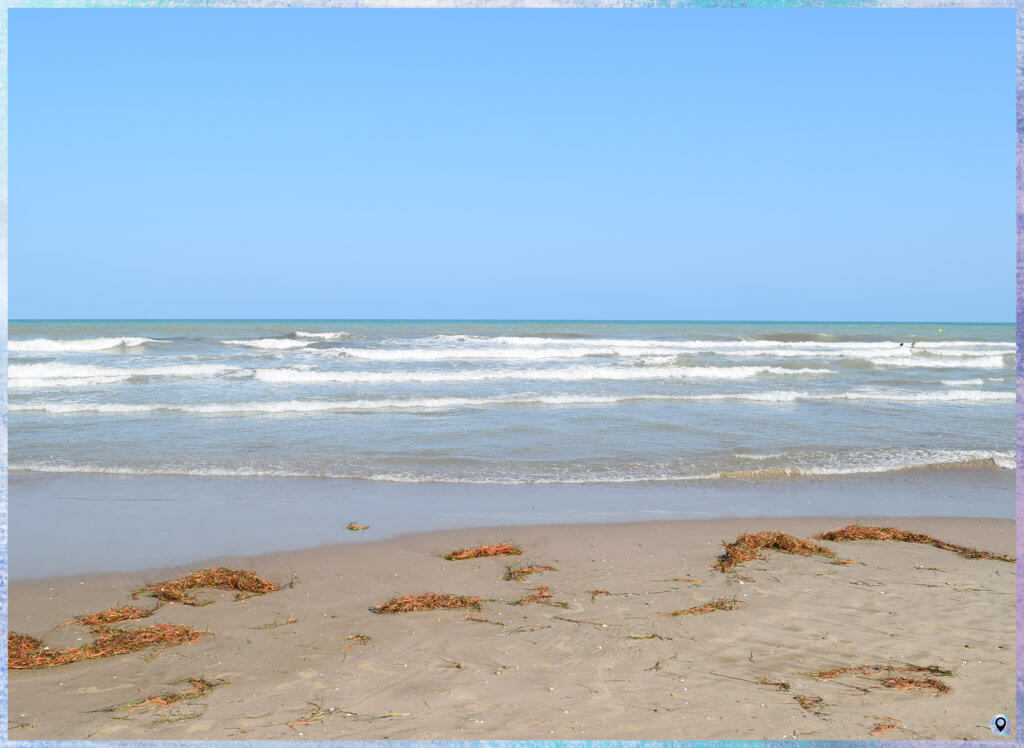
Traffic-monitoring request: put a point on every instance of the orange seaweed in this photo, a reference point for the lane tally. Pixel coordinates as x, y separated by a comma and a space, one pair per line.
354, 640
518, 573
876, 669
427, 601
887, 724
540, 595
724, 603
862, 532
109, 616
902, 683
176, 590
809, 702
199, 687
499, 549
26, 652
748, 547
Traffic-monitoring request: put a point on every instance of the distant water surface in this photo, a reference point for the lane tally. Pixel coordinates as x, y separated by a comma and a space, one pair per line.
509, 402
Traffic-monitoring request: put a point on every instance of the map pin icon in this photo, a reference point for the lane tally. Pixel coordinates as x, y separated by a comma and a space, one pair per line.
1000, 724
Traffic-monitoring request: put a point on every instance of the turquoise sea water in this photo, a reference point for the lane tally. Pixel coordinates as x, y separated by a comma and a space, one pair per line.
509, 402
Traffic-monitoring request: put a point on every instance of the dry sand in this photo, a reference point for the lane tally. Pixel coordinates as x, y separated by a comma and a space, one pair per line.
605, 666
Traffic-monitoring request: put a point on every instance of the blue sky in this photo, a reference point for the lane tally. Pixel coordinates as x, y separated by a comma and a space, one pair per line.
788, 165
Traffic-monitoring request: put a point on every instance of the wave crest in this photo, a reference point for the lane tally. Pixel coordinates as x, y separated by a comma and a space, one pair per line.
34, 376
447, 403
568, 374
339, 335
269, 344
83, 345
895, 463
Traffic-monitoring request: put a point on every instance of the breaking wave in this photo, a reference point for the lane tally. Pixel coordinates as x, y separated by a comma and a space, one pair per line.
32, 376
568, 374
84, 345
447, 403
896, 462
269, 344
339, 335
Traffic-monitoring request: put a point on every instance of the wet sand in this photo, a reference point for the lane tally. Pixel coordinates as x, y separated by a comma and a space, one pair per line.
604, 666
138, 522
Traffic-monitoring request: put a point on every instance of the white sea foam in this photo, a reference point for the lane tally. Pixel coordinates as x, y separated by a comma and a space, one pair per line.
269, 344
317, 406
664, 354
1007, 461
896, 461
552, 353
839, 465
33, 376
84, 345
339, 335
940, 362
58, 370
24, 376
76, 408
35, 383
967, 347
657, 352
963, 382
308, 406
874, 395
567, 374
212, 472
946, 396
1009, 347
883, 356
447, 403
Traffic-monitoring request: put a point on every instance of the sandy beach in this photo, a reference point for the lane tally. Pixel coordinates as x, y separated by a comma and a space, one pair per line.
575, 376
593, 656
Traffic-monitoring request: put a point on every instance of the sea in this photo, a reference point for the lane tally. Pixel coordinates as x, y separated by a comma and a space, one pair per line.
509, 402
145, 444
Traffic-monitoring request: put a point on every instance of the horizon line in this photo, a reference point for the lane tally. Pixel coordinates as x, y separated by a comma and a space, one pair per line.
499, 319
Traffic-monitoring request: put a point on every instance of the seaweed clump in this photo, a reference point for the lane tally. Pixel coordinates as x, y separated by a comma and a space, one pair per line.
498, 549
748, 547
540, 595
427, 601
27, 652
518, 573
110, 615
902, 683
810, 703
723, 603
887, 724
861, 532
245, 582
876, 669
198, 687
354, 640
